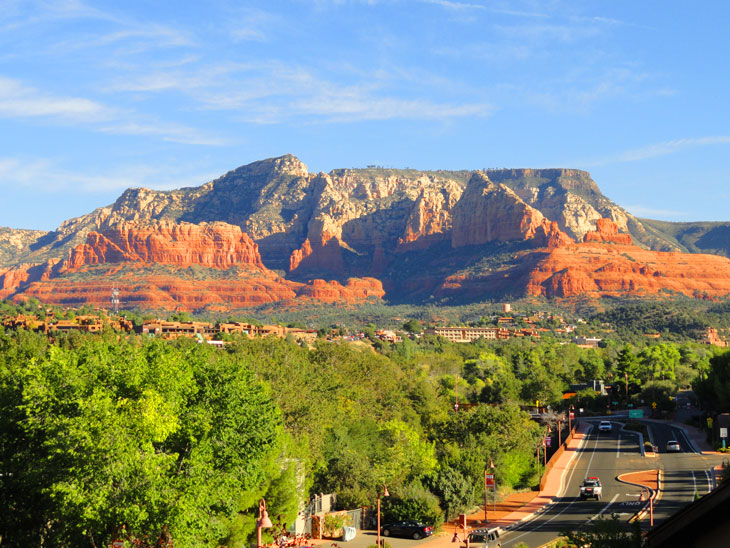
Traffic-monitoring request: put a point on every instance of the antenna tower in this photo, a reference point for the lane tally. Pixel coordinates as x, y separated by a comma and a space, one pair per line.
115, 300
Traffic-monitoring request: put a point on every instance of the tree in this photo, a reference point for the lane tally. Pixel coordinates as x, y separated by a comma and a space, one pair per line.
412, 326
605, 533
132, 439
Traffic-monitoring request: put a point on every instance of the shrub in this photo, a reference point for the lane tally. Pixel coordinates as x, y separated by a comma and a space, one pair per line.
415, 502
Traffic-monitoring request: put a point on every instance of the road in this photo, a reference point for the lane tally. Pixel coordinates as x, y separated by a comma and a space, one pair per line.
605, 455
608, 455
686, 473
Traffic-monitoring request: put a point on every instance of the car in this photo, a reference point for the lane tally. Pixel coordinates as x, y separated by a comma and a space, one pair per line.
591, 488
484, 538
605, 426
673, 445
407, 529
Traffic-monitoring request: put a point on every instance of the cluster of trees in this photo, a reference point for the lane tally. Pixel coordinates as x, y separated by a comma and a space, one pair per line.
105, 437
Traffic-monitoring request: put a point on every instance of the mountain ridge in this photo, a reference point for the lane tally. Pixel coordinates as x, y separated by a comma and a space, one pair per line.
362, 224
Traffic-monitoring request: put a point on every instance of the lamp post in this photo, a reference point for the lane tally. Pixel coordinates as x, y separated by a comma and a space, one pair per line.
262, 522
383, 494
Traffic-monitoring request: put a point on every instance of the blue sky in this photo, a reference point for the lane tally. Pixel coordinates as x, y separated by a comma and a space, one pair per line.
96, 97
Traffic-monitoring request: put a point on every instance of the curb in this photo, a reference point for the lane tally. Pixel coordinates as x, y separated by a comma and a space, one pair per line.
554, 498
654, 496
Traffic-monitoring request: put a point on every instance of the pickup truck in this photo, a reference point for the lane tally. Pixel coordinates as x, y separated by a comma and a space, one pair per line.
591, 488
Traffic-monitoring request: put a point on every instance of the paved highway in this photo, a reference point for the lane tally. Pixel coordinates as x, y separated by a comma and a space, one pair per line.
605, 455
608, 455
685, 474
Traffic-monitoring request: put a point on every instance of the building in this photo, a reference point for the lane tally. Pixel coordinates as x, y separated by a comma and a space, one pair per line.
586, 342
465, 334
712, 337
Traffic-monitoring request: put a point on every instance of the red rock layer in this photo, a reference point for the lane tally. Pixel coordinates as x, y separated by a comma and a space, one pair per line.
169, 293
606, 269
215, 245
607, 232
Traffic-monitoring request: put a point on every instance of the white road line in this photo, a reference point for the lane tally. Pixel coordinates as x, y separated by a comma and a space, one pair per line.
618, 446
709, 481
585, 438
599, 514
694, 482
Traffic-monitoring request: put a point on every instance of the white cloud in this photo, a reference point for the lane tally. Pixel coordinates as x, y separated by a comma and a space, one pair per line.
656, 150
174, 133
18, 100
46, 176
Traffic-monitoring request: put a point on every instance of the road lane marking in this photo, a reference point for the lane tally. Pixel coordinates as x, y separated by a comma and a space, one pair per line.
694, 483
618, 446
599, 514
580, 449
709, 481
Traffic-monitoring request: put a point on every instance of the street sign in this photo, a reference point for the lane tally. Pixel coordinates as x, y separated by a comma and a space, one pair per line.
636, 413
489, 479
548, 442
572, 414
723, 432
653, 405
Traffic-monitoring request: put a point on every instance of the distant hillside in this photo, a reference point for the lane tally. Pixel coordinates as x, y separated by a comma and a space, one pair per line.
697, 237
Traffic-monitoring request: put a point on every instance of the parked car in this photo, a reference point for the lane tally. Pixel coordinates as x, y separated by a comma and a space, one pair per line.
673, 445
604, 426
406, 529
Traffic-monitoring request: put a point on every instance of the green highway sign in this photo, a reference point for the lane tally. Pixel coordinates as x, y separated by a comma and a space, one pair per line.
636, 413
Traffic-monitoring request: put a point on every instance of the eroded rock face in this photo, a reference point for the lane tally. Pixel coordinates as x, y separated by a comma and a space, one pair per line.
600, 269
214, 245
393, 225
489, 212
122, 257
607, 232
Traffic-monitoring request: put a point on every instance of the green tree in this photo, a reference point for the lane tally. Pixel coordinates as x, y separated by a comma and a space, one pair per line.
146, 436
606, 533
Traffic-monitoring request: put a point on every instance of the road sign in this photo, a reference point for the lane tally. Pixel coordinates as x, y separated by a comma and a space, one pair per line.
572, 414
548, 442
489, 479
653, 405
636, 413
723, 432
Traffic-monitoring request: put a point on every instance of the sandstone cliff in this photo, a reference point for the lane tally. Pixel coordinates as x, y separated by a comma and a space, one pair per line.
212, 245
421, 234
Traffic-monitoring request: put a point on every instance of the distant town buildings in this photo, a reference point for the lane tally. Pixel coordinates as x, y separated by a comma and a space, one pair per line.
712, 337
586, 342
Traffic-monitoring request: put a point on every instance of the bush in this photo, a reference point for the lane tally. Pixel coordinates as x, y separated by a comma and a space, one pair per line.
333, 524
416, 503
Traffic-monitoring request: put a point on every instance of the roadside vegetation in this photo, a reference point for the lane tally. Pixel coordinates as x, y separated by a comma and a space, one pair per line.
104, 436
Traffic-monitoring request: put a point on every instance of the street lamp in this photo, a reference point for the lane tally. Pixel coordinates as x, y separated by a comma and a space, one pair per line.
383, 494
262, 522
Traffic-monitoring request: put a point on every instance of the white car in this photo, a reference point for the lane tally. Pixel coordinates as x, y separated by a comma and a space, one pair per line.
673, 445
591, 488
604, 426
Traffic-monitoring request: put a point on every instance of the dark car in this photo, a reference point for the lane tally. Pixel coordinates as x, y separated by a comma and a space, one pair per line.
407, 529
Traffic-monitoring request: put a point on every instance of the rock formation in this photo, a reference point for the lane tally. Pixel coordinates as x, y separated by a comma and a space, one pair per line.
607, 232
421, 235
